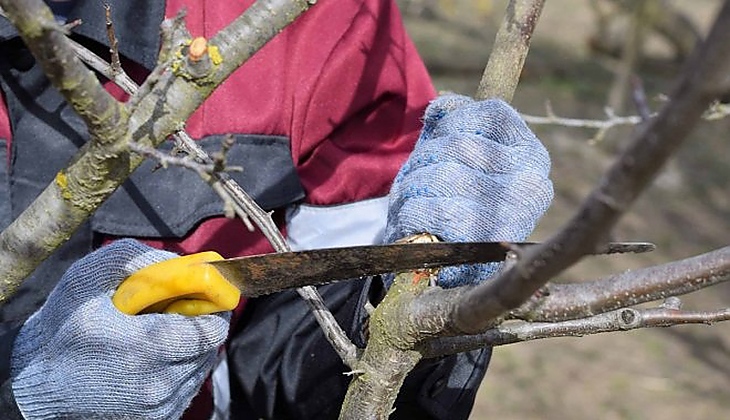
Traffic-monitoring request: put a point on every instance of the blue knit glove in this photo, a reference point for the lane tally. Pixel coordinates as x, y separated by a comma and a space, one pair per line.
79, 357
477, 173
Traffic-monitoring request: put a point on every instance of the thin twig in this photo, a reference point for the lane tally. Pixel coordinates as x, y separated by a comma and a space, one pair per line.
638, 95
116, 65
245, 205
166, 160
610, 121
715, 111
620, 320
630, 55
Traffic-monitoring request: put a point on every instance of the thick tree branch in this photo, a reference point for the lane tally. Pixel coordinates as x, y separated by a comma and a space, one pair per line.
390, 353
47, 40
702, 81
68, 201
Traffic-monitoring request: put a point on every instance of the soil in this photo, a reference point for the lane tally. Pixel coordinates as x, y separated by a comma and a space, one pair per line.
670, 373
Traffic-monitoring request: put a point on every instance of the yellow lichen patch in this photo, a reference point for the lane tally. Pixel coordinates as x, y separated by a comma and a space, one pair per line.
62, 182
215, 54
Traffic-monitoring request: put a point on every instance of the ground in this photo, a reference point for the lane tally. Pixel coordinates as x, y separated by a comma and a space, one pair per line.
671, 373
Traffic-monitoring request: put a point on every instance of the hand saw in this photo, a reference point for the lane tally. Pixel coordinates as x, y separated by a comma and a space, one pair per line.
206, 283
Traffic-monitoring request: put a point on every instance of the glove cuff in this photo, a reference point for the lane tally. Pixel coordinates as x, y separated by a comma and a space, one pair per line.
34, 396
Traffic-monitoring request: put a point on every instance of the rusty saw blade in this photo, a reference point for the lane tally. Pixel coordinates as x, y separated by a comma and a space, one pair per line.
263, 274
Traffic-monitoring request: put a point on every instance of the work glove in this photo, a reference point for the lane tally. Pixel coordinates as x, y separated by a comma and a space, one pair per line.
477, 173
79, 357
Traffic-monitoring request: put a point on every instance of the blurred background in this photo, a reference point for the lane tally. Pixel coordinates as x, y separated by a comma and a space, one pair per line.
581, 56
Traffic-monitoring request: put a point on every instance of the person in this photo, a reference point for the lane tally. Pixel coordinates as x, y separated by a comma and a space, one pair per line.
326, 122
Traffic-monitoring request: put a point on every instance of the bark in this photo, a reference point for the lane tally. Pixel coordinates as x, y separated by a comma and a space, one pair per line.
507, 58
389, 355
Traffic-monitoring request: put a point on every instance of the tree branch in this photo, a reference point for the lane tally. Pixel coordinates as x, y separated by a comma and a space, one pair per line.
502, 73
390, 353
47, 41
560, 302
620, 320
116, 65
165, 160
612, 120
68, 201
701, 83
715, 111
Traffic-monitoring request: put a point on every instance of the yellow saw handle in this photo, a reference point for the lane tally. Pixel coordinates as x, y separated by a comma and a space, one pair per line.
183, 285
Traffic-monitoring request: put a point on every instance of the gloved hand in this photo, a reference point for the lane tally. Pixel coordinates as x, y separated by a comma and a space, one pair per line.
79, 357
477, 173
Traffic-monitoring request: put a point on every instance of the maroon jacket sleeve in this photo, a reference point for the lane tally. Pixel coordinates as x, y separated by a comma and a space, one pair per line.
363, 113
